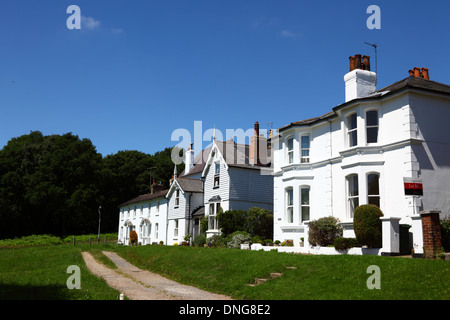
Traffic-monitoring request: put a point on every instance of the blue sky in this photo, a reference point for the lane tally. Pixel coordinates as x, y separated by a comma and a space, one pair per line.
138, 70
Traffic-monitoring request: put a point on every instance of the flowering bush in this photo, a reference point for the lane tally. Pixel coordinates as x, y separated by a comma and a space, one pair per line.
133, 237
287, 243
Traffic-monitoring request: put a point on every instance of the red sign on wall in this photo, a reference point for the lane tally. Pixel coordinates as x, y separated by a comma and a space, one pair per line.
413, 187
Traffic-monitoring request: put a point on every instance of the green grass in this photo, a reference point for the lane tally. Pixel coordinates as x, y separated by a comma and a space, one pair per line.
40, 273
227, 271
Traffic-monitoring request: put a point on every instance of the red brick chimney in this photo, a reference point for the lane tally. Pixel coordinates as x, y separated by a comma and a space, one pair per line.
357, 63
420, 73
258, 148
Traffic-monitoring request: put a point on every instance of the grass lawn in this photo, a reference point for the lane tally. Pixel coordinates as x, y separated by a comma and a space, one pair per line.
40, 273
227, 271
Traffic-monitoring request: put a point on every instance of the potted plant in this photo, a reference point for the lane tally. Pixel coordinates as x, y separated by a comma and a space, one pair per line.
302, 242
277, 243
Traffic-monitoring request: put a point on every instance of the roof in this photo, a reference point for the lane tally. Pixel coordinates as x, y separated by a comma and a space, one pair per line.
146, 197
236, 154
199, 162
190, 185
407, 83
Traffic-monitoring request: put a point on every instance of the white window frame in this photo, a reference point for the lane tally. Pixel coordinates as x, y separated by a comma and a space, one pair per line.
177, 198
175, 228
352, 200
351, 130
216, 174
214, 207
373, 195
305, 205
289, 203
305, 159
372, 126
289, 151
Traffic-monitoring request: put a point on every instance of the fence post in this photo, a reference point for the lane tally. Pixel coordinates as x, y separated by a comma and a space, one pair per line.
90, 240
73, 240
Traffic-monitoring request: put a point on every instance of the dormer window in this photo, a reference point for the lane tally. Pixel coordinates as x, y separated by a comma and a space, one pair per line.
216, 175
177, 198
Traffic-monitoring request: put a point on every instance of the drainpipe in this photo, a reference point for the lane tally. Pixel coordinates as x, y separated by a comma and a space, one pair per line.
331, 166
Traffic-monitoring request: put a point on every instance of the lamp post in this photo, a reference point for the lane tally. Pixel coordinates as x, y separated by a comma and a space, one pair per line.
99, 221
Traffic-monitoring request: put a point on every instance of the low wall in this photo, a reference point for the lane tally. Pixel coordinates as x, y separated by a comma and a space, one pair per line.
318, 250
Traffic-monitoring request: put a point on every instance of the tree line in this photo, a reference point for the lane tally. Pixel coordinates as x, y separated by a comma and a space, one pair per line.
55, 184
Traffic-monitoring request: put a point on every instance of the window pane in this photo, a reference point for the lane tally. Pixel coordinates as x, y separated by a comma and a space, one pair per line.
305, 153
290, 215
305, 213
354, 202
373, 185
290, 144
305, 196
291, 157
305, 142
353, 138
375, 201
372, 135
372, 118
290, 197
353, 185
352, 124
217, 168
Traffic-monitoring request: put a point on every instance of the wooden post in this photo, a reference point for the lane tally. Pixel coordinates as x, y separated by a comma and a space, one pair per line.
73, 240
90, 240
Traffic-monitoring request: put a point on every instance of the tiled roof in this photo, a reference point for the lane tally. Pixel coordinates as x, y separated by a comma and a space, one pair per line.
146, 197
409, 82
190, 185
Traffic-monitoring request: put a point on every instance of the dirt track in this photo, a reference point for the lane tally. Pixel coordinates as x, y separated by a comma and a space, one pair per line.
138, 284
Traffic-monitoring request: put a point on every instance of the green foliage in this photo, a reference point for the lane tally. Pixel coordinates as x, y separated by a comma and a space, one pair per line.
54, 184
34, 240
323, 231
367, 225
255, 221
217, 241
345, 243
445, 232
237, 238
200, 240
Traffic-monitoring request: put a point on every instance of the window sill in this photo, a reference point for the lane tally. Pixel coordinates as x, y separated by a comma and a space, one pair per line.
216, 187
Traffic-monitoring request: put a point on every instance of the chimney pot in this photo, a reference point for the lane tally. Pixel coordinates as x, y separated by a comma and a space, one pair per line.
357, 61
425, 74
352, 63
366, 63
417, 72
411, 73
256, 128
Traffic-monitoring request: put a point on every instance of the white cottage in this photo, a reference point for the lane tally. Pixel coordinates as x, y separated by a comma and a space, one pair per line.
364, 151
145, 214
226, 175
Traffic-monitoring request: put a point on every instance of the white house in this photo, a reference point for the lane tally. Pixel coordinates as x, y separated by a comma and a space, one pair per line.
147, 215
226, 175
363, 151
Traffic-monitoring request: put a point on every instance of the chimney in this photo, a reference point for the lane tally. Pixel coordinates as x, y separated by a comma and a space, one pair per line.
189, 160
156, 187
425, 74
360, 81
258, 148
420, 73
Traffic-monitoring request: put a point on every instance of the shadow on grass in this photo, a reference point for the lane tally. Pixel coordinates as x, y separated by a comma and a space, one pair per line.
29, 292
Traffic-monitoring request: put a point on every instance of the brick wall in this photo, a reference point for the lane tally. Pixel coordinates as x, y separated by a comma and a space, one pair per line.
432, 240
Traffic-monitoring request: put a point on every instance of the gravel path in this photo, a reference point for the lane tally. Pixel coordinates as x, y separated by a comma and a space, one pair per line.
138, 284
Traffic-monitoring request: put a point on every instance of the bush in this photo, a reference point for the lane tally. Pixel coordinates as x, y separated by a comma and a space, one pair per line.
323, 231
34, 240
217, 241
256, 221
238, 238
367, 225
345, 243
133, 237
445, 232
200, 240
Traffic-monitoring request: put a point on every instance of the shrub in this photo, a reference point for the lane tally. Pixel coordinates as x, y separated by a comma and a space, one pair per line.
238, 238
256, 221
200, 240
367, 225
133, 237
345, 243
445, 232
323, 231
217, 241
